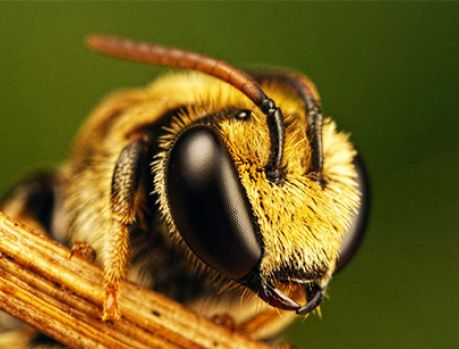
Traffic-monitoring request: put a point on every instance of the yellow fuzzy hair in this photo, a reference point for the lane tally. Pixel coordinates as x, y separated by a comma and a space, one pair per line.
300, 222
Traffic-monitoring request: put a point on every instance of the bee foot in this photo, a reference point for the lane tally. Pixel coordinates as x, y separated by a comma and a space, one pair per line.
84, 250
111, 312
226, 321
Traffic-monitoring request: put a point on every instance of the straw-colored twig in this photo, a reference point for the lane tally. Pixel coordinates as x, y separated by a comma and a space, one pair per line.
62, 296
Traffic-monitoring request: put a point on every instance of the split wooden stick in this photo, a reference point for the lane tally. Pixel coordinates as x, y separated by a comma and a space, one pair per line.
62, 297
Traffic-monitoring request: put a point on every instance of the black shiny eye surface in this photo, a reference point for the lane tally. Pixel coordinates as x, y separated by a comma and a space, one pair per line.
358, 226
208, 203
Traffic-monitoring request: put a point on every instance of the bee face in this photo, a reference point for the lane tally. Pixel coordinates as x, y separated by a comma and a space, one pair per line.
216, 196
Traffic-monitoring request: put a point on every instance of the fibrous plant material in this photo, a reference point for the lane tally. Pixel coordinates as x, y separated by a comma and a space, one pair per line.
62, 297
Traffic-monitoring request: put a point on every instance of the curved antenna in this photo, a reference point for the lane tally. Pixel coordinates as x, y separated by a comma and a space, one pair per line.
176, 58
306, 90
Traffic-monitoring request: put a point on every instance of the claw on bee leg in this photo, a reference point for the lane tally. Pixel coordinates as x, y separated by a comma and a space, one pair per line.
84, 250
226, 321
115, 270
111, 311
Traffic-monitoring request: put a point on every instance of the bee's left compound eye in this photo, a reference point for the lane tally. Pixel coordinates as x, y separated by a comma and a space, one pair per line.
208, 204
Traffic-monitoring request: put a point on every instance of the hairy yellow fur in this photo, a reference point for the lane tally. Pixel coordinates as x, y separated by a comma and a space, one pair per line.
301, 224
299, 221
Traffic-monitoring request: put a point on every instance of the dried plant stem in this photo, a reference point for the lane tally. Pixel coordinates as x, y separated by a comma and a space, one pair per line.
62, 298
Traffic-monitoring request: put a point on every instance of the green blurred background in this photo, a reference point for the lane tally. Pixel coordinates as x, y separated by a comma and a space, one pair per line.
387, 72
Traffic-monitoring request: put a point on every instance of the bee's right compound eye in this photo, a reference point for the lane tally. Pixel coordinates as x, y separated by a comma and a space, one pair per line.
208, 204
356, 231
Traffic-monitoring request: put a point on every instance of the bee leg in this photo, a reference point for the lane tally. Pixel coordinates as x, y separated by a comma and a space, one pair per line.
305, 89
124, 188
32, 201
226, 321
84, 250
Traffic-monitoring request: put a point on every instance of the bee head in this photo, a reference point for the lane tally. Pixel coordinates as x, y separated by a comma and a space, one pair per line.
282, 241
265, 203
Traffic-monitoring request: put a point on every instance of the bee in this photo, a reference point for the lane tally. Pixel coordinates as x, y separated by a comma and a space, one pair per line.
227, 191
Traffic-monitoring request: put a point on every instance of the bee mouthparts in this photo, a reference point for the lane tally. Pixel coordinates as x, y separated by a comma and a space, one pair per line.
314, 295
276, 298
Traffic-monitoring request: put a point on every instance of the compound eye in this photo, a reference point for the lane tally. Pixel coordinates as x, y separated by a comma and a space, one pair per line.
358, 226
208, 204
